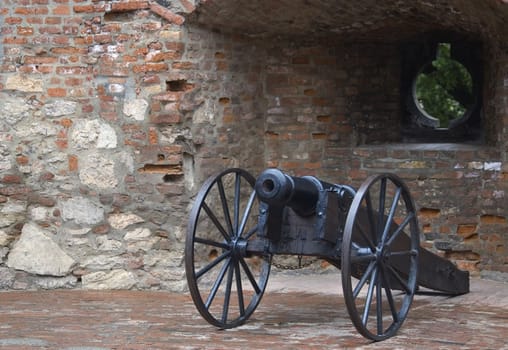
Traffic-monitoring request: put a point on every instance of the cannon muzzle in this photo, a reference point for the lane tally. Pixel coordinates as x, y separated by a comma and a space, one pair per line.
278, 189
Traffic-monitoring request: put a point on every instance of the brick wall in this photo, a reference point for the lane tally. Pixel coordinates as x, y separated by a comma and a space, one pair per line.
335, 112
114, 112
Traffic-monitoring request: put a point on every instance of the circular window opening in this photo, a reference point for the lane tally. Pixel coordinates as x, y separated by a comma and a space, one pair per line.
443, 91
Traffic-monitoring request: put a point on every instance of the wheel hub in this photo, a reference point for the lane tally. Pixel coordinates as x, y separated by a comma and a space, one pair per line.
238, 247
382, 253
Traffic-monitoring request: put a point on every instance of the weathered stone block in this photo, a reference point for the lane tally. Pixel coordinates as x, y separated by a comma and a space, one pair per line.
14, 109
92, 133
60, 108
35, 252
98, 171
123, 220
24, 83
81, 210
135, 109
115, 279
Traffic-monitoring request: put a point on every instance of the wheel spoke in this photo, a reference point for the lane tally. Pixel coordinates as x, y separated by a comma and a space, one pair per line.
212, 264
389, 295
365, 236
237, 205
251, 232
368, 302
364, 279
216, 285
400, 228
379, 304
246, 213
227, 295
251, 278
239, 290
381, 212
391, 215
216, 222
210, 242
370, 215
225, 207
400, 280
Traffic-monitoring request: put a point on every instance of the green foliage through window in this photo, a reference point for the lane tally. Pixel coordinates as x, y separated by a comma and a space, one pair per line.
444, 88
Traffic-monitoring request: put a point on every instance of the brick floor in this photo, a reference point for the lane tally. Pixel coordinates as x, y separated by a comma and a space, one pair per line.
297, 312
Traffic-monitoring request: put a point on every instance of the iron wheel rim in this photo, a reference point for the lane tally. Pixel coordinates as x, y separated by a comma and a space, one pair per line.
226, 303
372, 259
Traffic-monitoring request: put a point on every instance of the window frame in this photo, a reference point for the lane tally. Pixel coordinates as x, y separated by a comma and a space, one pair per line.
418, 127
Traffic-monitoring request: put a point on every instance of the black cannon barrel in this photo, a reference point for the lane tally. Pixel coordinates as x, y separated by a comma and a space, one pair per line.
279, 189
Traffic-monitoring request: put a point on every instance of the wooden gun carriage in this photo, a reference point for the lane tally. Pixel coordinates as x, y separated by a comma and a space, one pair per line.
238, 223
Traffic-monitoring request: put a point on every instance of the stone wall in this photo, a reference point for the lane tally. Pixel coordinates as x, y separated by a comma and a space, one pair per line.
112, 113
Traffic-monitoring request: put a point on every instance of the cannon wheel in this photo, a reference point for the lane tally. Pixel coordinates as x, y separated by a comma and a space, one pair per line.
226, 282
380, 256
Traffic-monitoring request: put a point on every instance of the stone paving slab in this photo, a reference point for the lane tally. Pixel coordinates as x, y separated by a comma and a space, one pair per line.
296, 312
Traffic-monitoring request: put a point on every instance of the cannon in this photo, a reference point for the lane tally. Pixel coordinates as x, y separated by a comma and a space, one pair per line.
239, 223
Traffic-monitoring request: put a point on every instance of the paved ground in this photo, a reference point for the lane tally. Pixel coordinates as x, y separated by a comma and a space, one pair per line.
297, 312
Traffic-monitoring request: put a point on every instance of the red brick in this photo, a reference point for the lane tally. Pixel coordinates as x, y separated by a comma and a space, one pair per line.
492, 220
466, 230
13, 20
66, 122
153, 137
60, 40
22, 160
166, 14
183, 65
89, 8
166, 119
69, 70
142, 51
35, 69
162, 56
68, 50
11, 179
101, 229
27, 31
175, 46
63, 10
117, 70
40, 60
31, 10
312, 165
53, 20
129, 5
57, 92
103, 38
51, 30
15, 40
73, 163
169, 96
290, 165
150, 79
150, 67
319, 136
187, 5
61, 143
